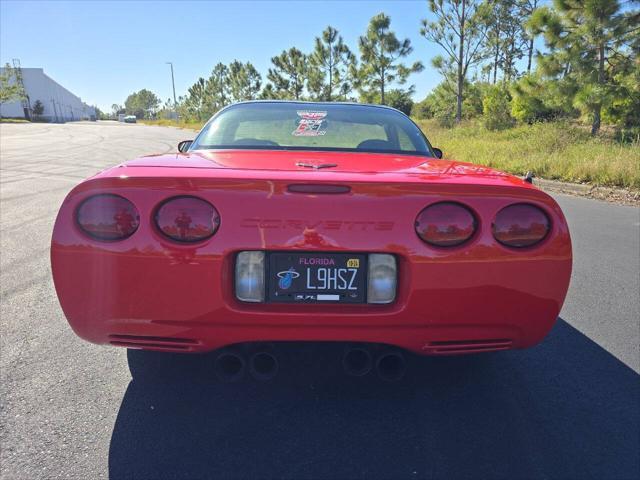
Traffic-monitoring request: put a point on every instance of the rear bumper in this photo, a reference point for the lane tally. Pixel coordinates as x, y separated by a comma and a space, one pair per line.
415, 339
150, 301
147, 292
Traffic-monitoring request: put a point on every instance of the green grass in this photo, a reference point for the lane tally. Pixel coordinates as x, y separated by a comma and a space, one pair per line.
13, 120
554, 150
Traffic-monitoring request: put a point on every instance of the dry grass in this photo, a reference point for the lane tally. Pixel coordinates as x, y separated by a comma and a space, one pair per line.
189, 125
555, 150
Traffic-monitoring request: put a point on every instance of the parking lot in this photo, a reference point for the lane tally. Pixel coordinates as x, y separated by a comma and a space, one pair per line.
567, 408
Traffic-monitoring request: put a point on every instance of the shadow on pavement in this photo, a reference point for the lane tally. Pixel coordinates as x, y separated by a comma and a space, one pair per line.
564, 409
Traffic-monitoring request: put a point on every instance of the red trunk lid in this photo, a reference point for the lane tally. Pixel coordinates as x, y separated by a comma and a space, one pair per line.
289, 160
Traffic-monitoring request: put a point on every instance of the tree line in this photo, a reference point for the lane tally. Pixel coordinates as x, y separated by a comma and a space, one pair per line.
589, 68
488, 63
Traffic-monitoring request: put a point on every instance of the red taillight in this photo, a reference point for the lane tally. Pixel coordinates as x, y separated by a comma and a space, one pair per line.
187, 219
521, 225
445, 224
108, 217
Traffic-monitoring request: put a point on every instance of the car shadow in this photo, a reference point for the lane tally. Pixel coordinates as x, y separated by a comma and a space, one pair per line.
563, 409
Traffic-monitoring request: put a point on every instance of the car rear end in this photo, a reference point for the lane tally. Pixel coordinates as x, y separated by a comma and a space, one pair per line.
191, 260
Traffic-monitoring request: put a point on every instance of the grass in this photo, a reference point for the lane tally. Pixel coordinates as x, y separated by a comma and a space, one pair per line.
554, 150
191, 125
13, 120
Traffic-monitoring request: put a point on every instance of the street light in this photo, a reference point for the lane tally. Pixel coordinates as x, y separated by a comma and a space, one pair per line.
173, 83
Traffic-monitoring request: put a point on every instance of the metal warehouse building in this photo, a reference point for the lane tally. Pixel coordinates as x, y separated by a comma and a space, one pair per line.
60, 105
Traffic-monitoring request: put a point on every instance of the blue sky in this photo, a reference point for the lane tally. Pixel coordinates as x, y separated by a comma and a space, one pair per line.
102, 51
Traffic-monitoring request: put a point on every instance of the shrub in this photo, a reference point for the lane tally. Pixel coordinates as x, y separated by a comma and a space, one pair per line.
396, 98
37, 109
535, 100
441, 103
422, 110
400, 99
496, 109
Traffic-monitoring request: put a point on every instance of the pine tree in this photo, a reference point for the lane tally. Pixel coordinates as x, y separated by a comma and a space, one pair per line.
460, 31
512, 39
585, 42
196, 102
268, 93
288, 73
526, 9
216, 94
380, 52
496, 20
244, 81
327, 76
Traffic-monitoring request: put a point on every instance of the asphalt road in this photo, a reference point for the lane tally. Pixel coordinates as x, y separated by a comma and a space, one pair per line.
567, 408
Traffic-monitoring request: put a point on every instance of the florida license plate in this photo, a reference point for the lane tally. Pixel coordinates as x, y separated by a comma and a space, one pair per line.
317, 277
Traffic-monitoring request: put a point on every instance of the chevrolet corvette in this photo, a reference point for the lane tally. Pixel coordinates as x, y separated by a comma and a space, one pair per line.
310, 222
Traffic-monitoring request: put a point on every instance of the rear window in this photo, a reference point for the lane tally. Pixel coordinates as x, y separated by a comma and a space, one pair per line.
312, 126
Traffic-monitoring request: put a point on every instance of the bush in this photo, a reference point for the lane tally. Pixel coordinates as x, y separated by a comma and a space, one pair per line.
441, 103
496, 108
422, 110
624, 109
396, 98
526, 109
37, 108
537, 100
400, 99
629, 135
446, 117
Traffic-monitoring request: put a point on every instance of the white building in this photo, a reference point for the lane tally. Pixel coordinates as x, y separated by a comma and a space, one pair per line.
60, 105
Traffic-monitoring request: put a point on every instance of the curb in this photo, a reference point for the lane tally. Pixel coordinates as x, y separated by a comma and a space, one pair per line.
609, 194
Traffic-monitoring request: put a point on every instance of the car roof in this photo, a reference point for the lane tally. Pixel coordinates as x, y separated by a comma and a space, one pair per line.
311, 102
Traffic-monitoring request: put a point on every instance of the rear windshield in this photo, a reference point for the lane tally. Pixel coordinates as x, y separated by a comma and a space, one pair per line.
312, 126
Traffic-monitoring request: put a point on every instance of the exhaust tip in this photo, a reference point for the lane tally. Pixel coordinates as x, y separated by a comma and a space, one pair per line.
391, 366
229, 367
263, 366
357, 362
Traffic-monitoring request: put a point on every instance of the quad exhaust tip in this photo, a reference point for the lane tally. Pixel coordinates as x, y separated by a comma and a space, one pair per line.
229, 366
391, 366
357, 361
263, 366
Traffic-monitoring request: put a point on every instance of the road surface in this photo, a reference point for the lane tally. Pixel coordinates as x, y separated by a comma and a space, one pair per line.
565, 409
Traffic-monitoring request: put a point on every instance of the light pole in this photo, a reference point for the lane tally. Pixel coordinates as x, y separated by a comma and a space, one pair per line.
173, 84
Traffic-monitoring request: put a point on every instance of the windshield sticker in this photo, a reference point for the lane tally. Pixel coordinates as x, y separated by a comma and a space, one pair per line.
310, 124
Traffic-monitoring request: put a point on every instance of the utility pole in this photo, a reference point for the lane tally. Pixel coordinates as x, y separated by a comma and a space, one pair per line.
173, 84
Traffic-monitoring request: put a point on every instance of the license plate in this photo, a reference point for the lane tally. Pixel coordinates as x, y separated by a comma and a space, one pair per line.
317, 277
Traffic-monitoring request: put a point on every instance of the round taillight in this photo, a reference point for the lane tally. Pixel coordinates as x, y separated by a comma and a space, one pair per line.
446, 224
107, 217
521, 225
187, 219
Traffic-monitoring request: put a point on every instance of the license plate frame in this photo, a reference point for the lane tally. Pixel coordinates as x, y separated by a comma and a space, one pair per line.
304, 264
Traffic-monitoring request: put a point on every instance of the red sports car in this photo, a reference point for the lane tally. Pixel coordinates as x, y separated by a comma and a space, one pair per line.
296, 221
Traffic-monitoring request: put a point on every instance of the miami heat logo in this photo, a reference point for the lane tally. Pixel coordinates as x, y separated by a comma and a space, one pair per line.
286, 278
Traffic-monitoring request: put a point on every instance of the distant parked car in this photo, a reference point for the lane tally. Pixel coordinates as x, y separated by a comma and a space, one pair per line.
130, 119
